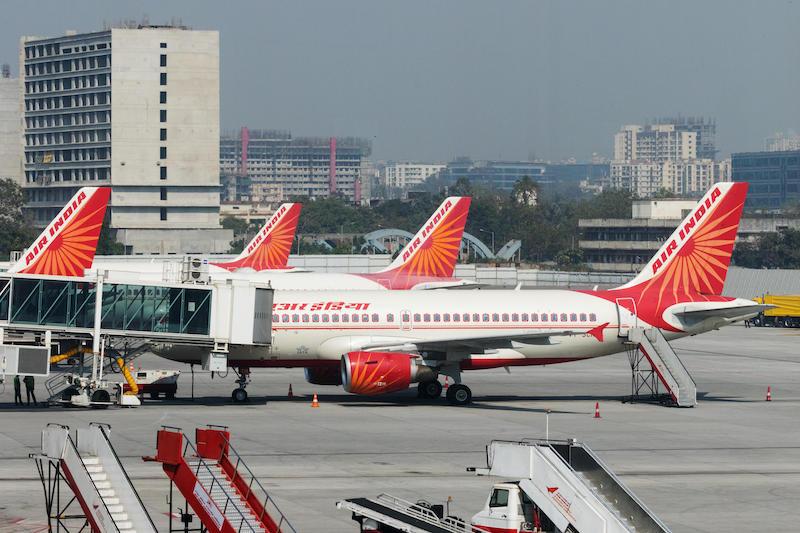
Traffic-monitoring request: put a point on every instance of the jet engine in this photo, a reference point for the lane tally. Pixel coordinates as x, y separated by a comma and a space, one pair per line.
324, 376
372, 373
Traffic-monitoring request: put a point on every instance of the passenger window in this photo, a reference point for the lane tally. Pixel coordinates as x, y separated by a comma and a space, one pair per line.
365, 317
345, 318
437, 317
417, 317
295, 318
583, 317
505, 317
446, 317
544, 317
427, 317
375, 317
465, 318
390, 317
355, 317
305, 318
315, 318
486, 317
553, 317
275, 318
573, 317
456, 317
406, 317
524, 317
325, 318
499, 498
495, 317
592, 317
285, 318
514, 317
334, 318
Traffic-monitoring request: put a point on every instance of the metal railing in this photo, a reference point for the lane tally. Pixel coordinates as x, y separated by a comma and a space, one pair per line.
282, 524
424, 514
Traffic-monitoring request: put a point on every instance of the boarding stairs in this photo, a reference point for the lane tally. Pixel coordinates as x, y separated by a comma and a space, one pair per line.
572, 486
405, 516
97, 478
129, 350
217, 484
665, 367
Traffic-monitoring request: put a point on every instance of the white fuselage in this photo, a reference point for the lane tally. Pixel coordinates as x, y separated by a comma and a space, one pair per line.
324, 325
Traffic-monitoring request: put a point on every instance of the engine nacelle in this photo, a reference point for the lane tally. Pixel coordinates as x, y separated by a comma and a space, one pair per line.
372, 373
324, 376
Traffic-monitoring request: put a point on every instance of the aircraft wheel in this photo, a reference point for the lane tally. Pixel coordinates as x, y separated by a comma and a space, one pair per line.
430, 389
239, 395
459, 394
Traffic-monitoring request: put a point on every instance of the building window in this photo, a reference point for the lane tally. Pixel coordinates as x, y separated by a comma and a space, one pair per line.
163, 45
163, 134
163, 115
163, 193
163, 97
163, 60
163, 78
163, 171
162, 152
163, 213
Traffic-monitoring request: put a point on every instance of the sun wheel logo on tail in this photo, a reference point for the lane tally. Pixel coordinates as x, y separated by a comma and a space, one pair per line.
67, 246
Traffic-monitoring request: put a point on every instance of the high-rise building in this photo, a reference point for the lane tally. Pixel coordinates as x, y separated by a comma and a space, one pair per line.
782, 142
136, 108
774, 177
499, 175
401, 175
705, 130
656, 143
279, 167
10, 140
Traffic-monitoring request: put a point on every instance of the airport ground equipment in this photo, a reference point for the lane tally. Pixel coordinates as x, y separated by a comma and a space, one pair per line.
100, 496
216, 483
785, 312
556, 487
155, 383
654, 362
125, 320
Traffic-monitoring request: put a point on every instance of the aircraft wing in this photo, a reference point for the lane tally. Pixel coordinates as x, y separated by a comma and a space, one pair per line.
472, 343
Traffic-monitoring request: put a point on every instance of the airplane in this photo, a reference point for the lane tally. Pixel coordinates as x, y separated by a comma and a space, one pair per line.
427, 261
66, 246
376, 342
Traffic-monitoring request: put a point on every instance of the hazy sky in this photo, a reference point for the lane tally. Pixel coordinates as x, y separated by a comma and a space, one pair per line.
431, 79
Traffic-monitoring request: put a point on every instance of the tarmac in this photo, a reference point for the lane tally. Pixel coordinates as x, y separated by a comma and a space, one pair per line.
730, 464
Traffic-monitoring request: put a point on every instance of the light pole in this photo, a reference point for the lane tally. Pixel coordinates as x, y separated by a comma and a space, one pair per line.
488, 231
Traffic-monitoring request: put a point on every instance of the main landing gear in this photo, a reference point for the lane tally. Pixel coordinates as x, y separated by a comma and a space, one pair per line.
239, 395
457, 393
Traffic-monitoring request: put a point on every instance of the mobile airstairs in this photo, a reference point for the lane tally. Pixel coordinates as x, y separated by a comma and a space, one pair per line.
654, 362
218, 486
89, 466
557, 487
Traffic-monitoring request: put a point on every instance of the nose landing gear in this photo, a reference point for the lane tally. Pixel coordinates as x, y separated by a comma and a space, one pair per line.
239, 395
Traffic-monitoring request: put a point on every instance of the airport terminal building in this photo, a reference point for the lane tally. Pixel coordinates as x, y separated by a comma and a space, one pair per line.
136, 108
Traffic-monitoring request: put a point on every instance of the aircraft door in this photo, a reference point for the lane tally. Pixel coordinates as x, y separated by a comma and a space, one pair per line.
626, 315
405, 320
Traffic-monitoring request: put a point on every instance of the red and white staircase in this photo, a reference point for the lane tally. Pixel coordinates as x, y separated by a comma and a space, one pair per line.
217, 484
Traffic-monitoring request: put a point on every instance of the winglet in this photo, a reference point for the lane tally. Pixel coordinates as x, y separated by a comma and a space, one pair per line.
269, 249
433, 251
68, 244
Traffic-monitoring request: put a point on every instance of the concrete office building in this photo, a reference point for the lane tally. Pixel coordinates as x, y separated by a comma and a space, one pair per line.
499, 175
627, 244
10, 117
136, 108
401, 175
266, 166
774, 177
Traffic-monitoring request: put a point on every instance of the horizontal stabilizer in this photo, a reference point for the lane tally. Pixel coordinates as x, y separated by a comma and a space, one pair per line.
727, 312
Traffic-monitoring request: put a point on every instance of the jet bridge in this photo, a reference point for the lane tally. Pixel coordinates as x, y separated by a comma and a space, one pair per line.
36, 310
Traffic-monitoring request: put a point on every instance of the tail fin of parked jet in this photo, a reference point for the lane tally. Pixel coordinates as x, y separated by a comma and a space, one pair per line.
67, 245
434, 249
695, 259
269, 249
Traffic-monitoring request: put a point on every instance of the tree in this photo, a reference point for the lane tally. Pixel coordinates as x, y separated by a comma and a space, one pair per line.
107, 242
16, 233
238, 225
525, 191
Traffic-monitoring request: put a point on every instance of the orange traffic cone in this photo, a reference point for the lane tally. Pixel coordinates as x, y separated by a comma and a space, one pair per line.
291, 394
315, 401
446, 384
597, 409
769, 393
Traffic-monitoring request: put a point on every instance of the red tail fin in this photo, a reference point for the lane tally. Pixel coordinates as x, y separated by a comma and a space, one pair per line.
269, 249
67, 245
434, 249
695, 259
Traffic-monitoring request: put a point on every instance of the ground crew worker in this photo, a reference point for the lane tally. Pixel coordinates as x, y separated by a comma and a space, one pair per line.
17, 391
29, 384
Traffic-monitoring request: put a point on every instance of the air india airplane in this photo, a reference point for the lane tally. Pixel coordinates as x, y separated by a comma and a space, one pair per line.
376, 342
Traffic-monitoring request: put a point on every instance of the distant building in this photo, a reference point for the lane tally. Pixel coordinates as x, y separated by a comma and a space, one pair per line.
675, 155
10, 118
627, 244
136, 108
279, 167
782, 142
500, 175
402, 175
774, 177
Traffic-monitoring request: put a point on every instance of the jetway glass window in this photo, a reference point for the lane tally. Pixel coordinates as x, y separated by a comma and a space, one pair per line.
52, 302
156, 309
5, 294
